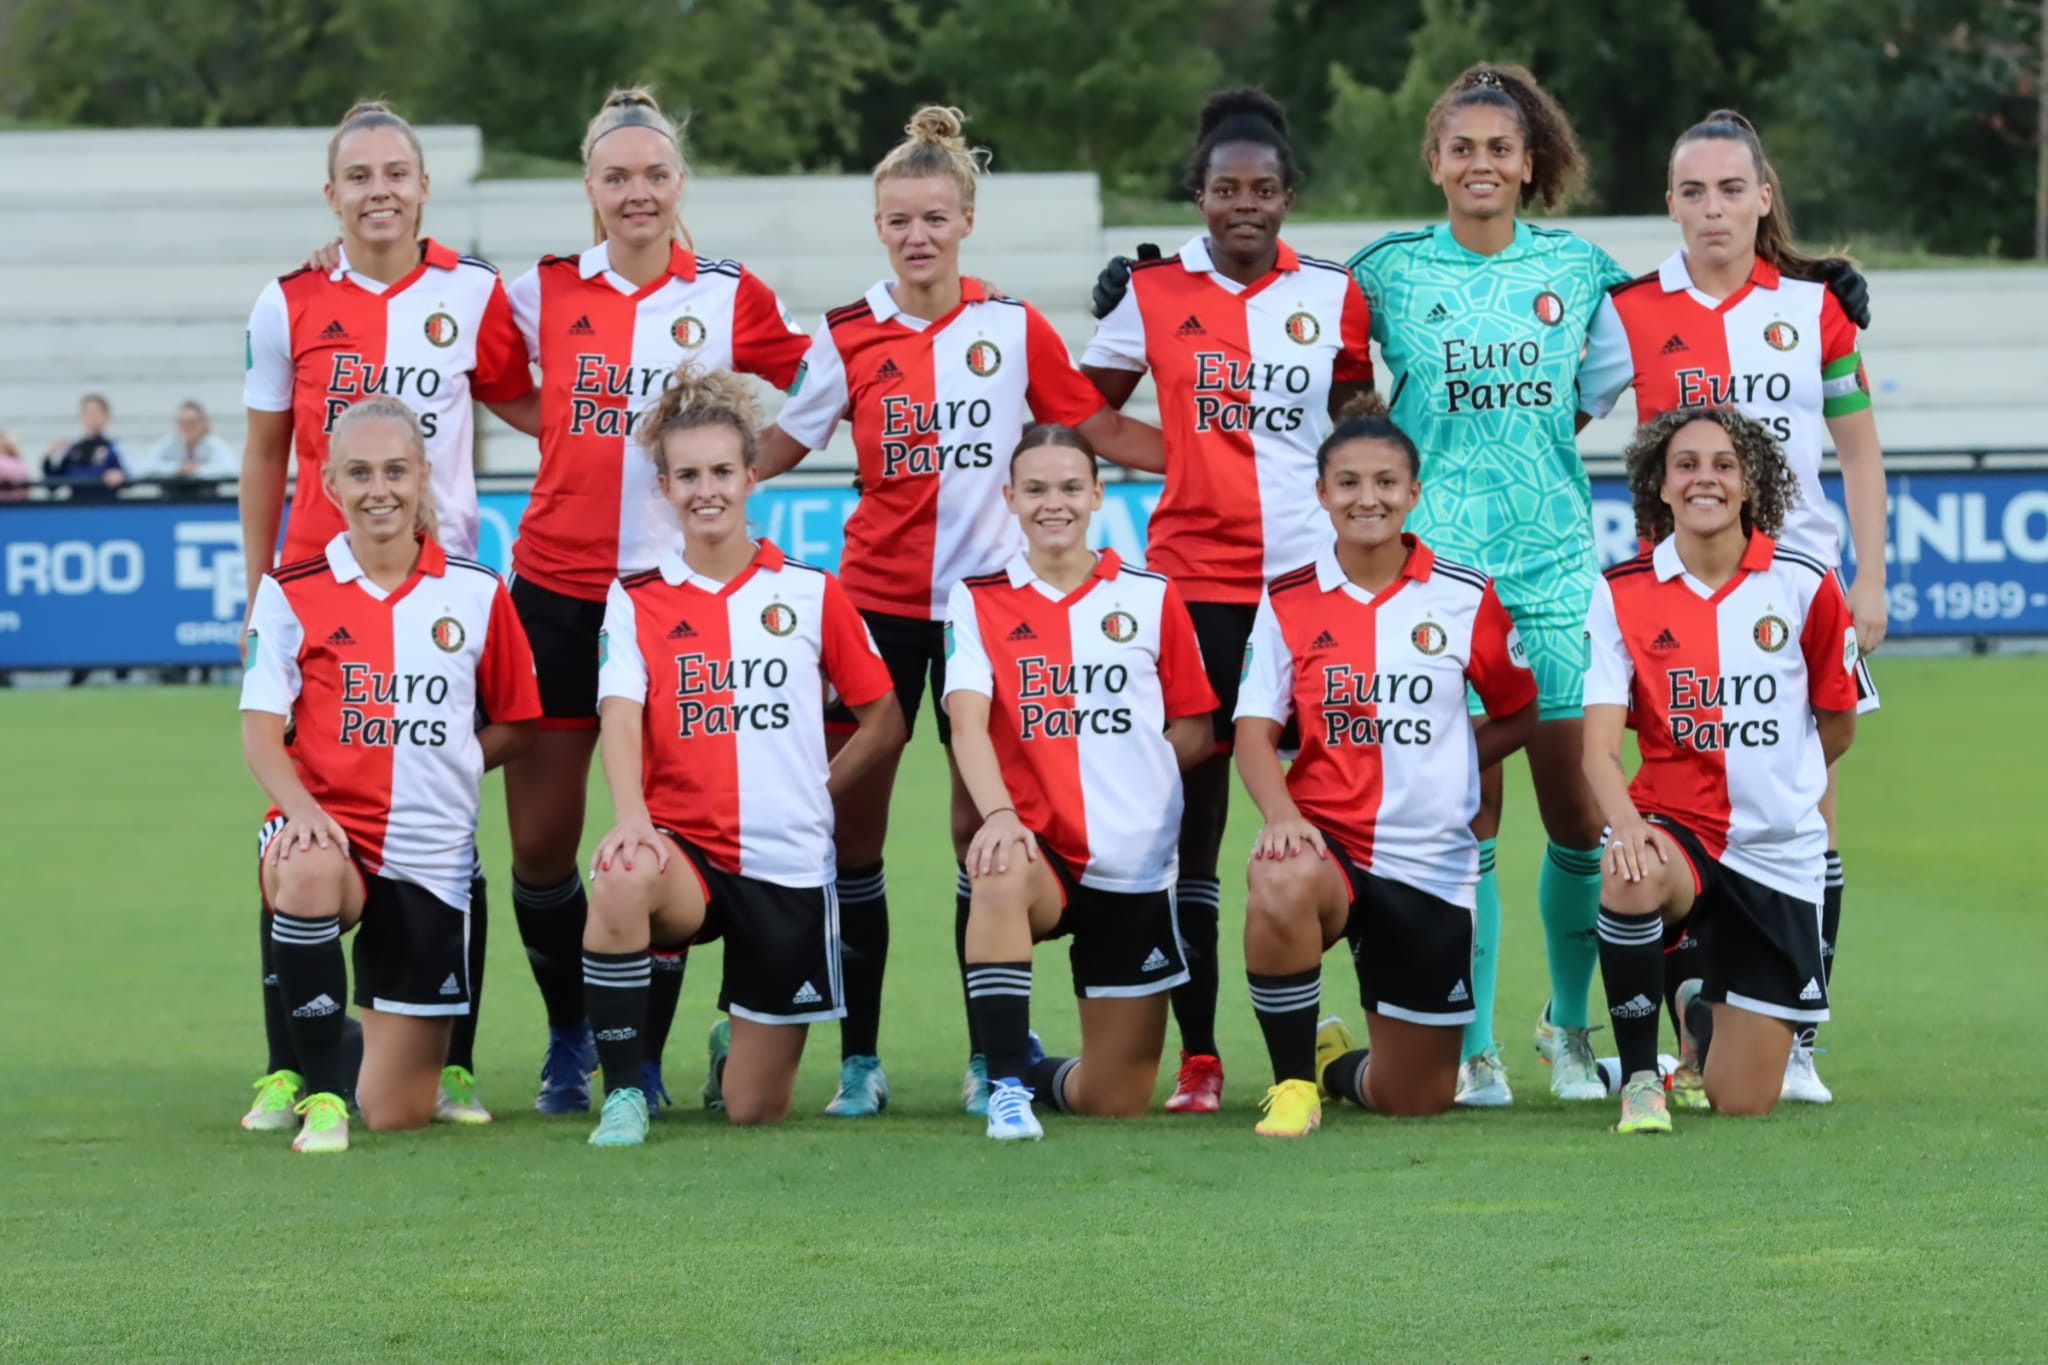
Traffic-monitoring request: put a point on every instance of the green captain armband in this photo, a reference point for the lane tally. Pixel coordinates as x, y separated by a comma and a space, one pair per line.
1844, 388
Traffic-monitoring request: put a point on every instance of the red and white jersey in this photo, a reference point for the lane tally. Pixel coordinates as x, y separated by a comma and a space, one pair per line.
937, 409
733, 677
1780, 350
606, 349
1388, 767
1721, 707
1244, 375
440, 337
382, 691
1082, 686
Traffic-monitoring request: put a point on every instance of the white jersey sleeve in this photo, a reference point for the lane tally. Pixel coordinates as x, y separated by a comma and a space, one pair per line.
1609, 366
270, 671
267, 385
1119, 340
1609, 669
818, 399
621, 672
524, 296
967, 664
1266, 689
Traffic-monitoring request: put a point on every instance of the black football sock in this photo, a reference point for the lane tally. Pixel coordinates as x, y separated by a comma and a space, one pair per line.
1197, 904
351, 1054
999, 1000
1700, 1019
312, 979
1632, 968
962, 899
1830, 926
277, 1033
1345, 1077
1684, 959
462, 1040
664, 994
863, 956
616, 986
1287, 1007
1048, 1081
551, 926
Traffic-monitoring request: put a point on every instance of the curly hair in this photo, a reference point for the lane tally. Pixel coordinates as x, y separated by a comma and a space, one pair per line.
1558, 166
701, 398
1768, 484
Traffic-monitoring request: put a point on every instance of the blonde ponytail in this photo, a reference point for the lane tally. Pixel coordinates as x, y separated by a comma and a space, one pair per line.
635, 107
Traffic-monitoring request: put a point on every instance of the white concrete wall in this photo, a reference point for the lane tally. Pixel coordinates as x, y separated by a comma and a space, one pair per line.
147, 302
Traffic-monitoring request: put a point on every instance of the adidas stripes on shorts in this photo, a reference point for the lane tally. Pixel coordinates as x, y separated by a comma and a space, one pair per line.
1762, 946
781, 944
1126, 943
1413, 951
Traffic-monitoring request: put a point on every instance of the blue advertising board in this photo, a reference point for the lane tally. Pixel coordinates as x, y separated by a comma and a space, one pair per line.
98, 584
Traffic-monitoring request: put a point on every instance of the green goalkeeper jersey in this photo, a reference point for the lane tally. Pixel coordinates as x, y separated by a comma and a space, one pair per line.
1482, 359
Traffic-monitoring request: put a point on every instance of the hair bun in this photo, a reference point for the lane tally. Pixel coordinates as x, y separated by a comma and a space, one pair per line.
939, 124
1367, 404
632, 97
1244, 101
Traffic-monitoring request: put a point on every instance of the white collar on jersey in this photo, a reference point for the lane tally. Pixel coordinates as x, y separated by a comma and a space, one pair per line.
1756, 556
1330, 575
882, 303
431, 251
1674, 278
1196, 260
1022, 575
596, 260
342, 562
675, 572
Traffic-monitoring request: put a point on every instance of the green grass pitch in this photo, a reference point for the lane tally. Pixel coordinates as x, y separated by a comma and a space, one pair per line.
1906, 1222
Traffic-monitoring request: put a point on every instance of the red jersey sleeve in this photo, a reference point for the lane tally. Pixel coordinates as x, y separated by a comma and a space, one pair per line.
765, 341
1183, 682
505, 685
1829, 643
502, 373
1058, 391
1499, 666
1838, 335
852, 664
1354, 357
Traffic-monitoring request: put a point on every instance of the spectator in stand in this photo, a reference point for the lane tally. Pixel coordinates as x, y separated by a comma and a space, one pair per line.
191, 452
90, 465
15, 475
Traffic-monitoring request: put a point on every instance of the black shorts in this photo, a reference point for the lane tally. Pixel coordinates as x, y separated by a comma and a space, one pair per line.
1222, 629
563, 632
781, 944
1125, 943
915, 651
1413, 950
1762, 947
1866, 688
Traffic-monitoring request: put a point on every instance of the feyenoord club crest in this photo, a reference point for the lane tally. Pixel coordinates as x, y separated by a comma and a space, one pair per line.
1303, 329
1120, 626
687, 332
984, 358
1429, 637
442, 331
1771, 633
448, 634
1782, 336
1549, 309
777, 619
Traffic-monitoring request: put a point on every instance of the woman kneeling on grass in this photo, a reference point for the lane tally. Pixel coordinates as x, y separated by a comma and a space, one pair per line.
711, 698
378, 654
1734, 659
1077, 696
1368, 837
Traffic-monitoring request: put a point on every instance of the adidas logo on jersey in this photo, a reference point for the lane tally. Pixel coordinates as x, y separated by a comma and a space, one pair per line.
451, 986
1638, 1006
334, 331
1665, 640
341, 637
682, 631
1438, 314
1674, 346
581, 327
1022, 632
1811, 990
1459, 995
1191, 328
888, 371
319, 1007
1154, 961
807, 994
1324, 641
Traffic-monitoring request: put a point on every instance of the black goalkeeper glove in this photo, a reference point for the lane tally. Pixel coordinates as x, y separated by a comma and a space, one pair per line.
1115, 280
1843, 280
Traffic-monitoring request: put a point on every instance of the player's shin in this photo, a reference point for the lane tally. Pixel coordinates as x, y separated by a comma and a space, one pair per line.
1198, 906
462, 1038
864, 956
616, 987
1568, 896
312, 981
551, 920
999, 1003
1485, 954
1632, 968
1288, 1006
